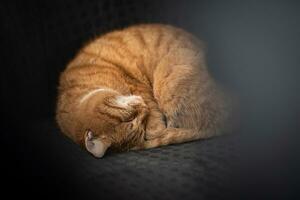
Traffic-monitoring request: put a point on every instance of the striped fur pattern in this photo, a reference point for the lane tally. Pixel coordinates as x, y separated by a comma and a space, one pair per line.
140, 87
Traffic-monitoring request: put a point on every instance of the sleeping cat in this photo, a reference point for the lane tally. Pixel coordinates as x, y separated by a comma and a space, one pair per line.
140, 87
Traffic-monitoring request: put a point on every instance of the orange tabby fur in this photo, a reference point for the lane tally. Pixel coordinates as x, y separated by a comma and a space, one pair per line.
163, 65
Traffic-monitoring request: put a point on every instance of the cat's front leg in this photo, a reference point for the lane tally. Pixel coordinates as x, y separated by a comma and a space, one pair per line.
175, 136
156, 120
156, 123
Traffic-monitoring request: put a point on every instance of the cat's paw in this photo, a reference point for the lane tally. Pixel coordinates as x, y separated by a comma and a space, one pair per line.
130, 100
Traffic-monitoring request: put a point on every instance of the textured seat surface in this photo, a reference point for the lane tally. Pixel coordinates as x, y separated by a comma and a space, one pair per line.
252, 49
44, 36
196, 170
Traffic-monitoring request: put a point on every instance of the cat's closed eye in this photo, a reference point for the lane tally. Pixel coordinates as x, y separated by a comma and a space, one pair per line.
130, 126
131, 117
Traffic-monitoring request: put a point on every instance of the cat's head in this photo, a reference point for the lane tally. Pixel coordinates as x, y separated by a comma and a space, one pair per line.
115, 121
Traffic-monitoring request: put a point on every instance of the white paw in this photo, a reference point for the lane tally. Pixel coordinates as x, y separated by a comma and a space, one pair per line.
125, 101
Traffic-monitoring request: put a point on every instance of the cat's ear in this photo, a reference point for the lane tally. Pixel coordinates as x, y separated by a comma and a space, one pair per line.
94, 145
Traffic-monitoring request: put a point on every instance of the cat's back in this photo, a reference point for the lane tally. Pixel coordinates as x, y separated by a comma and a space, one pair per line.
146, 43
150, 37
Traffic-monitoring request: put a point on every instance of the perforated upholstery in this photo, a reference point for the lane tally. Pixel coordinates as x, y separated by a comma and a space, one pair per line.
196, 170
39, 38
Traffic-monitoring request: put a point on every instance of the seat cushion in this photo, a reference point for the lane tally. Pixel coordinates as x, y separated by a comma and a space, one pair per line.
195, 170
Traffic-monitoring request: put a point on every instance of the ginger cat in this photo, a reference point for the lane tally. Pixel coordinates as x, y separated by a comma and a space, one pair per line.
140, 87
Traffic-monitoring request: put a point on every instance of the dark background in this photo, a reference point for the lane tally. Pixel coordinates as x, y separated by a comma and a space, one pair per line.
252, 49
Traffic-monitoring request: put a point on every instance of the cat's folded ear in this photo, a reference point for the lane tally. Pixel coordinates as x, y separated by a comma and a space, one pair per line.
94, 145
